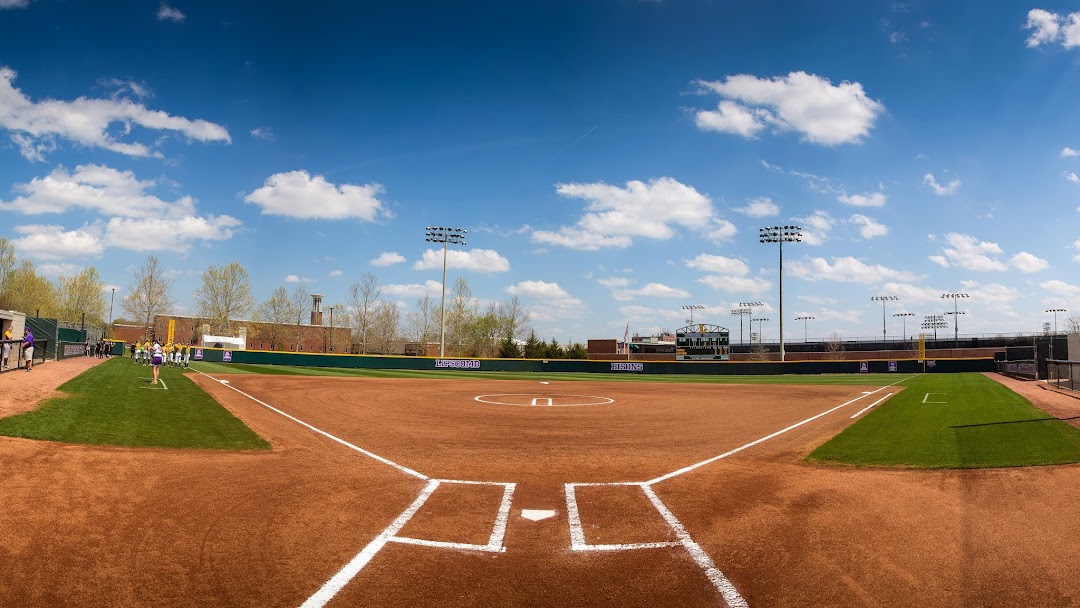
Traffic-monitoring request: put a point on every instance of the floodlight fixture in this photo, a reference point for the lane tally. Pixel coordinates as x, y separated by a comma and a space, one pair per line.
883, 300
446, 236
781, 235
904, 315
692, 308
761, 328
742, 312
804, 319
934, 322
954, 297
1055, 311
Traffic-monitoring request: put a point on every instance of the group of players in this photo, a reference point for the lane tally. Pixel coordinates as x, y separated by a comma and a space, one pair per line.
171, 355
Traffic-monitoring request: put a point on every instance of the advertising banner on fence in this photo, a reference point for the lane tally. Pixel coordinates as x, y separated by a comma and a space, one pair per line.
198, 354
226, 356
457, 364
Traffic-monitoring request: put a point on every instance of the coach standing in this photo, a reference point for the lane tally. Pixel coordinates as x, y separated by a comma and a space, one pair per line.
28, 348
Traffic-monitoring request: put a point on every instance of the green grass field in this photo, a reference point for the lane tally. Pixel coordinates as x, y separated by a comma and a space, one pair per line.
291, 370
114, 403
953, 421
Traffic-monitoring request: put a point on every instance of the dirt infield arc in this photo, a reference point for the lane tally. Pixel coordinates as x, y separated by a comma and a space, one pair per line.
99, 526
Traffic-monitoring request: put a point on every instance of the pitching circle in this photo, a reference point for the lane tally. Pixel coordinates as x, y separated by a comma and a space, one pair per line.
543, 399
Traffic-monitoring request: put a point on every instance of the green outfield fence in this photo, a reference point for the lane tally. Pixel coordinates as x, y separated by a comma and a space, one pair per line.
904, 366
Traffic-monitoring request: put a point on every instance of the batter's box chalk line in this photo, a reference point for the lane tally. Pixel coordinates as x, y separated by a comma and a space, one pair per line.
697, 553
498, 531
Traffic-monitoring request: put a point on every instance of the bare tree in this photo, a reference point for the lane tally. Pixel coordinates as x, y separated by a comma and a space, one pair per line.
834, 346
385, 321
225, 294
1072, 325
461, 310
148, 294
339, 331
363, 296
513, 319
301, 303
275, 316
82, 294
422, 323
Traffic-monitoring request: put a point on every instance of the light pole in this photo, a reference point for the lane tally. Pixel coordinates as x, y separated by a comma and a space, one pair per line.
745, 309
934, 322
760, 327
904, 315
331, 328
113, 299
780, 234
884, 335
1055, 311
956, 315
804, 319
692, 308
446, 236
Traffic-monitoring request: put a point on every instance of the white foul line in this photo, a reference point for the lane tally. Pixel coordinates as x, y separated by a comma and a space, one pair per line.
858, 413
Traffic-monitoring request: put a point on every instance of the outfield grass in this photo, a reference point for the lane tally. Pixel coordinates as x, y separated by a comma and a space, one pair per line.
291, 370
114, 403
953, 421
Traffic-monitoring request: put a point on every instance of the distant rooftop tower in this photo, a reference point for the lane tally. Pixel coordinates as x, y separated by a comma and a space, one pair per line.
316, 309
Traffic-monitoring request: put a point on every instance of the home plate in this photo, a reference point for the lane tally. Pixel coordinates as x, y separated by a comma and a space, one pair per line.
537, 514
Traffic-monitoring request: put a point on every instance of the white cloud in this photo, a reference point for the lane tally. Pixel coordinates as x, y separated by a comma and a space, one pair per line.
636, 313
1068, 152
658, 209
4, 4
808, 104
940, 260
168, 13
1026, 262
49, 242
167, 234
941, 190
1061, 289
94, 188
292, 278
651, 290
614, 282
718, 264
35, 127
846, 269
388, 258
538, 289
61, 270
730, 117
298, 194
263, 133
479, 260
816, 227
869, 199
969, 252
1052, 28
912, 294
1076, 246
1070, 177
759, 207
868, 227
413, 290
335, 274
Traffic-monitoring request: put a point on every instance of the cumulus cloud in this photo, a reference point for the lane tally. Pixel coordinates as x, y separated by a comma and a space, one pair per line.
846, 269
966, 251
868, 227
1076, 246
1026, 262
939, 189
615, 215
413, 290
335, 274
816, 227
50, 242
759, 207
1068, 152
388, 258
869, 199
478, 260
1061, 289
5, 4
737, 284
822, 113
168, 13
718, 264
651, 290
1052, 28
1070, 177
35, 127
94, 188
298, 194
167, 234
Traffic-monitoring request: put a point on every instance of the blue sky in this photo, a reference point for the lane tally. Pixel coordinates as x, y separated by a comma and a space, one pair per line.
611, 159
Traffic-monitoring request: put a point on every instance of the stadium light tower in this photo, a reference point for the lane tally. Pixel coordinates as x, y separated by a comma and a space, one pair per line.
804, 319
446, 236
904, 315
1055, 311
956, 314
934, 322
884, 335
745, 309
760, 327
781, 235
692, 308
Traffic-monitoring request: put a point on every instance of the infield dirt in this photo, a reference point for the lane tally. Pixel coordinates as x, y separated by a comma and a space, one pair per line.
92, 526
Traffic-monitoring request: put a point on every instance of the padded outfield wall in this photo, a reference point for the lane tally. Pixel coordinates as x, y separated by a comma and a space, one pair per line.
904, 366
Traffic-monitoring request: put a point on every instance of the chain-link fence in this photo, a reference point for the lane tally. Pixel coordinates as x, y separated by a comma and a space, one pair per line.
1063, 374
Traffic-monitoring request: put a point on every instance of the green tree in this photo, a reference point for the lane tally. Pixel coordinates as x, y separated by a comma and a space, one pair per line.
508, 347
30, 293
534, 348
7, 264
576, 350
225, 294
82, 294
553, 350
